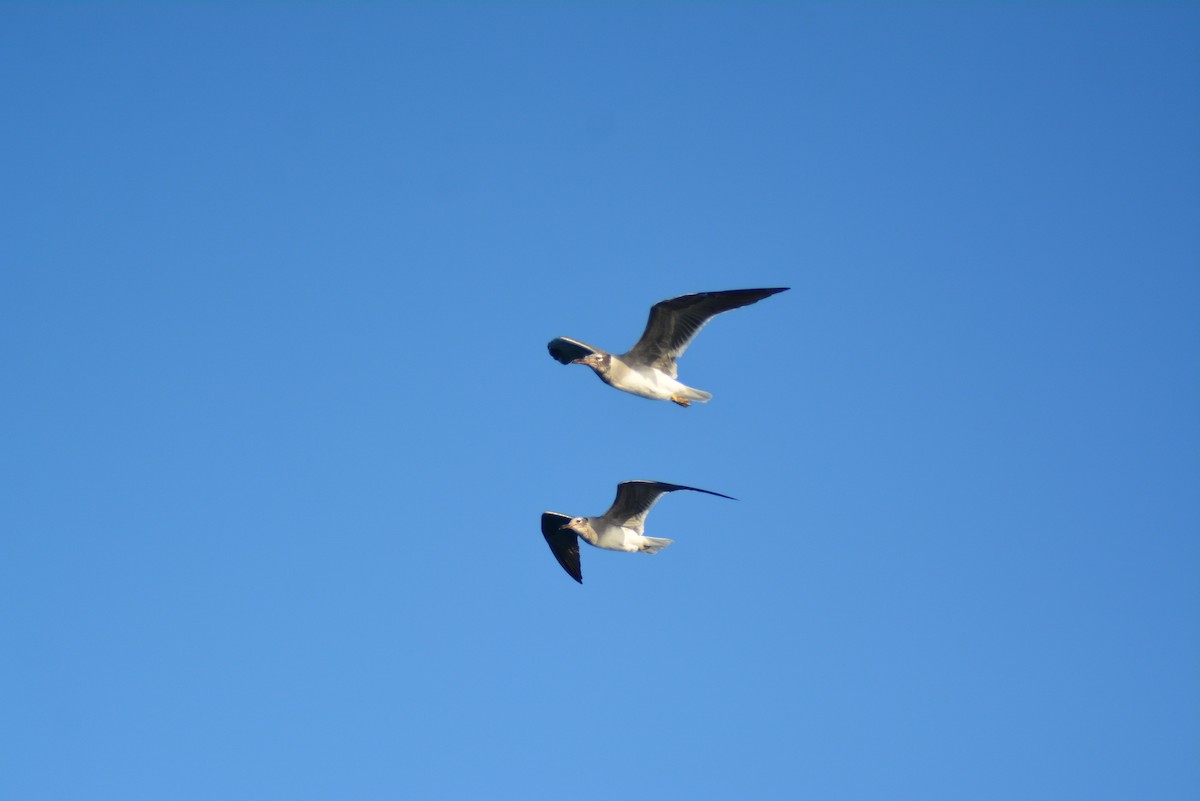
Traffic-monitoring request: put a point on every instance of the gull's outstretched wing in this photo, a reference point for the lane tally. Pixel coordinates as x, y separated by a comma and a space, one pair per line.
635, 499
568, 350
563, 544
674, 323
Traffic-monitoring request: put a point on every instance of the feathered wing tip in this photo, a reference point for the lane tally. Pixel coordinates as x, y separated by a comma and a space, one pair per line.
564, 544
566, 350
675, 322
636, 498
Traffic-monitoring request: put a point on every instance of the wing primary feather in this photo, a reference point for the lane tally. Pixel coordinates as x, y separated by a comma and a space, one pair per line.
636, 498
675, 322
566, 350
563, 544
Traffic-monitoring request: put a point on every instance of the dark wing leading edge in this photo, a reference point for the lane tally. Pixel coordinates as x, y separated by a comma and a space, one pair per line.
635, 499
563, 544
568, 350
674, 323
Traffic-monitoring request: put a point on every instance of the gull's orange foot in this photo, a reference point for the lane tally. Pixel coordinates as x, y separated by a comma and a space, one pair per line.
680, 401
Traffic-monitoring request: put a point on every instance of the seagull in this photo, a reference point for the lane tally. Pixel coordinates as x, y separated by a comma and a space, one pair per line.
618, 529
648, 369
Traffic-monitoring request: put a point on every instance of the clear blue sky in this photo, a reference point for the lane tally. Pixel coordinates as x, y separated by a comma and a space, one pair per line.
279, 422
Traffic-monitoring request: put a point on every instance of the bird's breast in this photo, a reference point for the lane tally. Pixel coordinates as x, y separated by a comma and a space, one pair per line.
642, 380
615, 538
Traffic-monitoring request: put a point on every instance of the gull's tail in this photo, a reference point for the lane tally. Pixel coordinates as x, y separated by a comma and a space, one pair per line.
697, 395
654, 544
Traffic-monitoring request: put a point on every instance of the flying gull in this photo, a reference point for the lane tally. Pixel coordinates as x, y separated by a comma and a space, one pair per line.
618, 529
648, 369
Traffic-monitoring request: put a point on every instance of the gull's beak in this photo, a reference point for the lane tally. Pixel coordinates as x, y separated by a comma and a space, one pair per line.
579, 360
563, 526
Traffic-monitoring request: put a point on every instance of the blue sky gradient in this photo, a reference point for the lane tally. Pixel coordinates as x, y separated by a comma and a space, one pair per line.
275, 288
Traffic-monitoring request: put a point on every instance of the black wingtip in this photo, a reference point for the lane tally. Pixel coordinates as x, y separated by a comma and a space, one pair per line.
565, 351
724, 300
710, 492
759, 294
668, 487
563, 544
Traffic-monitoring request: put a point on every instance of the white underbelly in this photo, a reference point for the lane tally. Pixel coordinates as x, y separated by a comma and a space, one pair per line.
651, 384
616, 538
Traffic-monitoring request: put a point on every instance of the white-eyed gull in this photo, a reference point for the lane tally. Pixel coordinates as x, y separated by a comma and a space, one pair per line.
648, 369
618, 529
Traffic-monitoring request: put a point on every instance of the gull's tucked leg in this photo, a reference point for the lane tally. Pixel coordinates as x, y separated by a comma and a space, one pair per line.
680, 400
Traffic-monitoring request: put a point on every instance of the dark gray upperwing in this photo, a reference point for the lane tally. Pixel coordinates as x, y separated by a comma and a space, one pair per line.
635, 499
674, 323
563, 544
568, 350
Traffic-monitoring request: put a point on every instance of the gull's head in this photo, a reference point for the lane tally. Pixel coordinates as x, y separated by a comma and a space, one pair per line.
600, 362
576, 524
